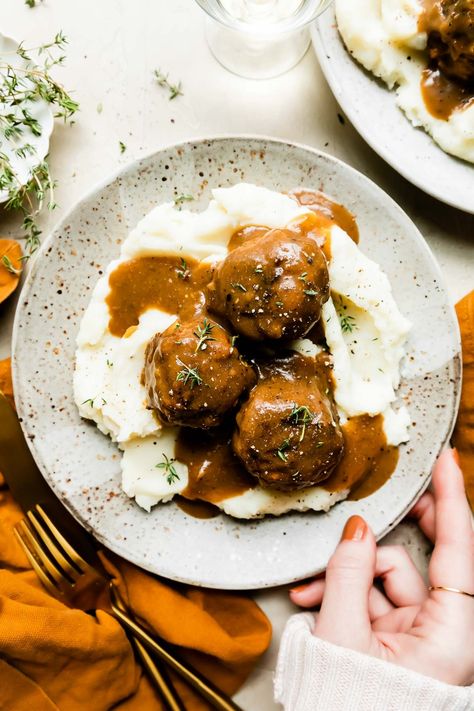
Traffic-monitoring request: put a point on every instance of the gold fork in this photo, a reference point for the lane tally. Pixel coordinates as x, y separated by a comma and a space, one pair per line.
67, 576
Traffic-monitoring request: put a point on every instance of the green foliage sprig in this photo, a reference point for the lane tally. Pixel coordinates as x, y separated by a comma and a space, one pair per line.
21, 86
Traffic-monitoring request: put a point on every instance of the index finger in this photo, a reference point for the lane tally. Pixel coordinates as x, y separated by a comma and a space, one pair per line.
452, 562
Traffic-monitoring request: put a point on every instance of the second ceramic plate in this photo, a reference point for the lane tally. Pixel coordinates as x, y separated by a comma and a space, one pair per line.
371, 108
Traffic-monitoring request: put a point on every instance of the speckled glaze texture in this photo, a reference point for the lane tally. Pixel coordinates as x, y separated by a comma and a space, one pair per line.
364, 98
82, 465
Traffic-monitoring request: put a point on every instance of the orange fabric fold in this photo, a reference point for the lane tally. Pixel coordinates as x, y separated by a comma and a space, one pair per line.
463, 436
57, 658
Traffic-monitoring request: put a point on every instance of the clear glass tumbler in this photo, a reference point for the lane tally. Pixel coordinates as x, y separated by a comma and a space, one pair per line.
260, 39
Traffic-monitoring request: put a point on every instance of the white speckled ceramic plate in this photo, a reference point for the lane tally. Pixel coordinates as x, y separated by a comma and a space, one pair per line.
371, 108
82, 465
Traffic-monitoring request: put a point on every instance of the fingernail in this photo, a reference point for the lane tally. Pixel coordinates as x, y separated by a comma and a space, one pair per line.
299, 588
354, 530
455, 455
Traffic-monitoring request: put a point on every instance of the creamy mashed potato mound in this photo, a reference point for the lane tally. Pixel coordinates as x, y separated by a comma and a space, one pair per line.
107, 377
383, 36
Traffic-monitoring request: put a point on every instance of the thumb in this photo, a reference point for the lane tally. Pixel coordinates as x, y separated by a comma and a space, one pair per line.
344, 616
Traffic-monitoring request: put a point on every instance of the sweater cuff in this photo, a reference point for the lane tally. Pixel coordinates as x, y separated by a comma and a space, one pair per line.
314, 675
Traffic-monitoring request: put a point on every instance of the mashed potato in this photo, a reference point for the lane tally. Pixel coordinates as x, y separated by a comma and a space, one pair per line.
107, 385
383, 36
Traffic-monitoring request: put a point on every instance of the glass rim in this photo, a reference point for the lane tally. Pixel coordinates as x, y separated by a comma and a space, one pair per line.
307, 12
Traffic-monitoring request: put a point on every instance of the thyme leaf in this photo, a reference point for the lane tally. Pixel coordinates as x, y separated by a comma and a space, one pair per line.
188, 375
348, 323
281, 451
202, 333
7, 263
163, 81
169, 469
179, 199
301, 415
183, 271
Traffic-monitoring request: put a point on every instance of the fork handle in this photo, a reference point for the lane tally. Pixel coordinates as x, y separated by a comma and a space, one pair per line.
158, 675
159, 678
216, 698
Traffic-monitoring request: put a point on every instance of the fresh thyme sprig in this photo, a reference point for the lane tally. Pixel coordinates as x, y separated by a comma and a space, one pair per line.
183, 271
281, 451
169, 469
163, 81
301, 415
28, 198
202, 333
20, 87
348, 323
7, 263
188, 375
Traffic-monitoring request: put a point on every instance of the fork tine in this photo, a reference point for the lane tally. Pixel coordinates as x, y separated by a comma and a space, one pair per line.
78, 561
51, 545
42, 574
59, 576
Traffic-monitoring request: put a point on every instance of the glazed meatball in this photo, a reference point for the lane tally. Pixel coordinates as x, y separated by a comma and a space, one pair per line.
450, 27
194, 373
272, 286
287, 433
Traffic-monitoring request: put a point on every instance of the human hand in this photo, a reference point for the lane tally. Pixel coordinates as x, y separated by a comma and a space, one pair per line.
430, 632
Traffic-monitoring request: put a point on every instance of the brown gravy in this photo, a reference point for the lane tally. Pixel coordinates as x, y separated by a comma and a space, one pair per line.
447, 84
196, 508
367, 462
214, 471
328, 212
245, 234
163, 282
442, 96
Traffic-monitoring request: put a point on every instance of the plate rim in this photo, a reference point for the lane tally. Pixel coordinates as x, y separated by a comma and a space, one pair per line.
387, 155
109, 179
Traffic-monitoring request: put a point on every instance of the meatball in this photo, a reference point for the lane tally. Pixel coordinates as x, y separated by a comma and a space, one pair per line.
287, 433
272, 286
194, 374
450, 27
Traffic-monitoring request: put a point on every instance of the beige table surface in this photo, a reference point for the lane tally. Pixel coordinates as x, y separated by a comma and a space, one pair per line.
114, 45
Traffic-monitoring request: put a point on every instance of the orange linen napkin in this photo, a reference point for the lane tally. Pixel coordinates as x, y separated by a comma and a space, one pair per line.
463, 436
53, 657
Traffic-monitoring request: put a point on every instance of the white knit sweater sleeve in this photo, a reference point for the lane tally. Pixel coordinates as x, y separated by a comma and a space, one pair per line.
314, 675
